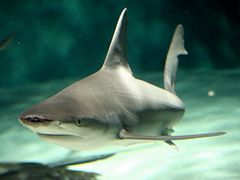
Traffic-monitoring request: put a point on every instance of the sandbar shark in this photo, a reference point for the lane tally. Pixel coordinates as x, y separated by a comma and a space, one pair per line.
111, 106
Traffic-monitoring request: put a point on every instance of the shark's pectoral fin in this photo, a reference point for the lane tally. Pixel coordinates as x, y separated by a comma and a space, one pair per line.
172, 144
127, 135
168, 132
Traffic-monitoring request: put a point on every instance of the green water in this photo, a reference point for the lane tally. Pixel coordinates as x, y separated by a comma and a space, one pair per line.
58, 42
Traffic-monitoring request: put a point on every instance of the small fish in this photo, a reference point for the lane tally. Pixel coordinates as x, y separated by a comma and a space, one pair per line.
4, 43
112, 107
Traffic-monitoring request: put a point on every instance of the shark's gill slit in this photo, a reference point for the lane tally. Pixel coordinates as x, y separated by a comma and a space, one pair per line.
115, 125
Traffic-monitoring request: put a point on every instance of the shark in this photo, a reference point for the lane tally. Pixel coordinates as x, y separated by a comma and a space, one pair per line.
112, 107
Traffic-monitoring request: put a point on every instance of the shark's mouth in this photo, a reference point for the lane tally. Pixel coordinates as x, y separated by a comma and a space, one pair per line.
35, 119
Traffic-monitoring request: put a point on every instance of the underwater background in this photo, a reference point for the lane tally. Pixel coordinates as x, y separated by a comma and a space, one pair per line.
60, 41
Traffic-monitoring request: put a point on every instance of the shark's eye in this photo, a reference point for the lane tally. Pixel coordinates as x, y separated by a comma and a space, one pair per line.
79, 122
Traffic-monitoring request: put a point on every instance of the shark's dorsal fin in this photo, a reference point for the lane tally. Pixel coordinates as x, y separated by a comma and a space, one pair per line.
117, 52
176, 48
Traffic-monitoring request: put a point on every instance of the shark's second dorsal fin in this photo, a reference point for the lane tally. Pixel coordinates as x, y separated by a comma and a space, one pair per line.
176, 48
117, 52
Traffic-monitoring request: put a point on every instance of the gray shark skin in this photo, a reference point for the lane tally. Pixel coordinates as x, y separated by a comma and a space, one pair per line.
112, 107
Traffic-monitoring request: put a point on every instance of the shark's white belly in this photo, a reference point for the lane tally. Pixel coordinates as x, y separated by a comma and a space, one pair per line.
90, 143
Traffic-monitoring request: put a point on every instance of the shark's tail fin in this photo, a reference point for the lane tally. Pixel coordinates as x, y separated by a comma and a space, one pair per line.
176, 48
